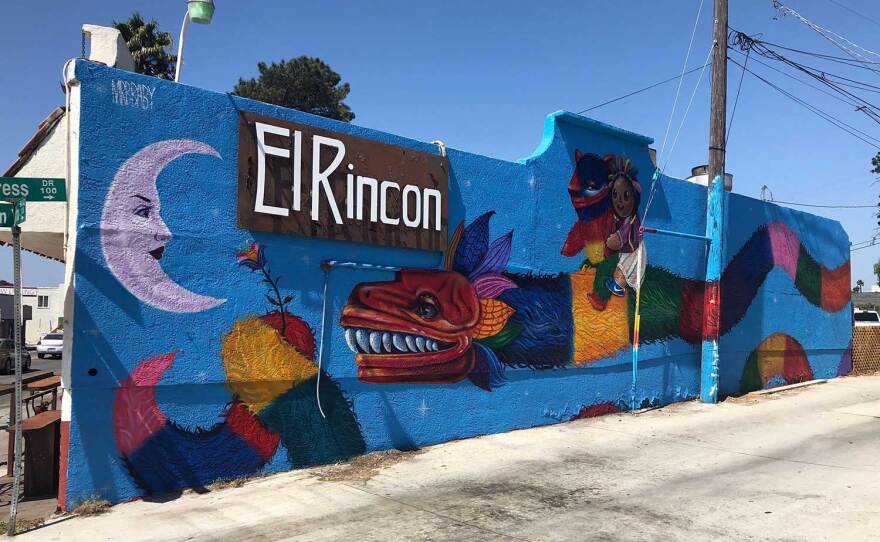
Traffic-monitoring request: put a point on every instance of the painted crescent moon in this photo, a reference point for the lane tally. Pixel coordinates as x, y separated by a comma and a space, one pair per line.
133, 234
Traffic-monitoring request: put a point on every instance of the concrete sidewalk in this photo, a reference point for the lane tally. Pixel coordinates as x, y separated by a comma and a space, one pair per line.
797, 465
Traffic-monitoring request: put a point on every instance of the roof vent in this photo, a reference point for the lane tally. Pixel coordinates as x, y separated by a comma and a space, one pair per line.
700, 175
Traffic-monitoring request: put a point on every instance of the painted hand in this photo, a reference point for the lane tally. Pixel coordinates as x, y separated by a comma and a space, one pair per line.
613, 242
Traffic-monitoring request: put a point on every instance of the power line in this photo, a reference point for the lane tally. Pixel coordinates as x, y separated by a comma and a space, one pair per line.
801, 81
649, 87
739, 87
823, 56
860, 248
849, 9
687, 57
853, 131
826, 33
686, 111
749, 44
824, 206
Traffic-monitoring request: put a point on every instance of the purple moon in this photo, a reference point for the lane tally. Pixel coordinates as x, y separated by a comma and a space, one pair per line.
133, 234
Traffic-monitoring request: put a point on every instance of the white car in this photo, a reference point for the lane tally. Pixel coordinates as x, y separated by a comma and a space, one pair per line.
866, 318
52, 344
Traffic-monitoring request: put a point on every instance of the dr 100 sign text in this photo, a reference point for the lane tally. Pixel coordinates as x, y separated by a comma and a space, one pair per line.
303, 180
32, 189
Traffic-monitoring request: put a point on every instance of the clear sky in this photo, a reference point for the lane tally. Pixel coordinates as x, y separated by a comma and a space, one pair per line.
482, 75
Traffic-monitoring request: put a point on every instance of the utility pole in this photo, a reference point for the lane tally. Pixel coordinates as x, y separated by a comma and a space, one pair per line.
715, 208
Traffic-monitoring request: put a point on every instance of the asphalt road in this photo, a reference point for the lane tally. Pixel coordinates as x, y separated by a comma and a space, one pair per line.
53, 365
50, 364
795, 465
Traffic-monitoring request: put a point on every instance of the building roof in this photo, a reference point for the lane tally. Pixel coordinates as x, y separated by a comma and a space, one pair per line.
866, 298
43, 130
46, 243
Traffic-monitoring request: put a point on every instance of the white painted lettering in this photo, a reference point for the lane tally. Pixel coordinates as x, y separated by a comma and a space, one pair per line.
374, 197
414, 223
383, 215
430, 194
262, 150
349, 195
321, 178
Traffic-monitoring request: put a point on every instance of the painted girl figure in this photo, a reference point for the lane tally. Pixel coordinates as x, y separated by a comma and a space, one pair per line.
629, 258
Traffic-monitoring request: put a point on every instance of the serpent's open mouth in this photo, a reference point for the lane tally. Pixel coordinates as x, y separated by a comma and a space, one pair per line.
390, 349
416, 328
157, 252
373, 341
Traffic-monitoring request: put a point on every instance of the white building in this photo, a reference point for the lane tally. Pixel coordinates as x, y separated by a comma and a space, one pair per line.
47, 312
46, 309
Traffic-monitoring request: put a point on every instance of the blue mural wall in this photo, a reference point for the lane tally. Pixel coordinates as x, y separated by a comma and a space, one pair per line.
196, 343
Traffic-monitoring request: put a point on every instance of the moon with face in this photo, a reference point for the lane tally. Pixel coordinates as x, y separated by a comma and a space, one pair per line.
133, 234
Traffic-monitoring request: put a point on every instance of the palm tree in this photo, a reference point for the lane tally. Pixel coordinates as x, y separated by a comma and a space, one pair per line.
877, 271
147, 46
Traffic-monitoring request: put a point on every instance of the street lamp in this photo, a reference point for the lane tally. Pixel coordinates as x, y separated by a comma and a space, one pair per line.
200, 12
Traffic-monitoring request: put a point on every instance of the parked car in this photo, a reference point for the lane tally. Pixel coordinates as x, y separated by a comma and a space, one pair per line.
866, 318
52, 344
7, 357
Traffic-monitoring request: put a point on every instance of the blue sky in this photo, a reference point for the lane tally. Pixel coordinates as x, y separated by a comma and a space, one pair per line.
482, 75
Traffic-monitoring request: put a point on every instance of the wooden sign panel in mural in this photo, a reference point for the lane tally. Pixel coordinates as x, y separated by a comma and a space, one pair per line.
303, 180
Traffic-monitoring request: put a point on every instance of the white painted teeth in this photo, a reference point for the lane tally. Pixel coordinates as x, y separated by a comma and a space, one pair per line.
376, 341
364, 341
351, 341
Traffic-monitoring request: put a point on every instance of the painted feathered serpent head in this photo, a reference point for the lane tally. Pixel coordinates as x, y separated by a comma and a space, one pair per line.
436, 326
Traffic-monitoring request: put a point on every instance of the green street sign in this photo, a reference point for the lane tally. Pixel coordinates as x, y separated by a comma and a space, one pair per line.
20, 211
12, 214
33, 188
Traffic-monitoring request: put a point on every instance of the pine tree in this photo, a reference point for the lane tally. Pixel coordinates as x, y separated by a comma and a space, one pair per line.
304, 83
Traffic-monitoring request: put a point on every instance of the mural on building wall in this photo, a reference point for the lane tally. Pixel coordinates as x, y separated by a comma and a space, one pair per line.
777, 361
606, 193
473, 319
133, 234
269, 366
216, 351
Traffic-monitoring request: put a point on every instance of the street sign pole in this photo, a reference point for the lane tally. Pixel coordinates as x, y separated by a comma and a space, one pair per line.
16, 469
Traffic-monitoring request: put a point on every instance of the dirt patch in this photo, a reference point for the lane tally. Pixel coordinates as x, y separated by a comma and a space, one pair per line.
91, 507
364, 467
23, 525
226, 483
754, 398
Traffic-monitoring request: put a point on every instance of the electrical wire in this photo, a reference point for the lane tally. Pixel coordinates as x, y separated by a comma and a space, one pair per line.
748, 43
686, 111
853, 131
849, 9
824, 206
633, 93
658, 170
823, 56
684, 64
824, 32
801, 81
739, 87
867, 242
860, 248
